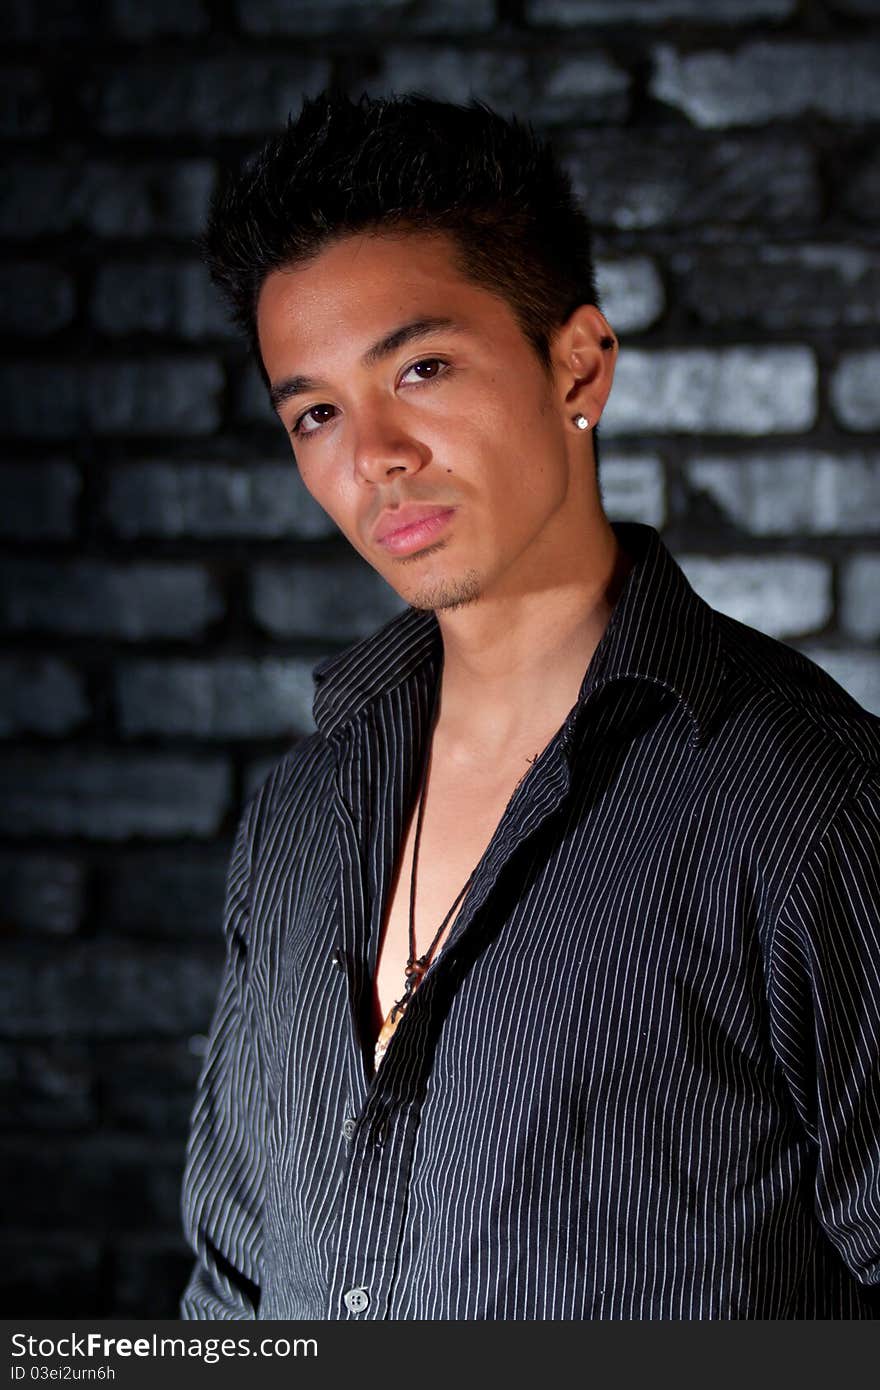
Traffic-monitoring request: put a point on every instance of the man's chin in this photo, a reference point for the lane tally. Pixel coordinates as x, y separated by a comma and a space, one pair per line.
445, 595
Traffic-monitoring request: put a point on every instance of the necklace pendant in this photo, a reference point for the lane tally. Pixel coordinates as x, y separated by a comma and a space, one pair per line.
387, 1031
414, 974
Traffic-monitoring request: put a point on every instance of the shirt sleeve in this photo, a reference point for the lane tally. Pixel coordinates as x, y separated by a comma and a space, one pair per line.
223, 1178
825, 1017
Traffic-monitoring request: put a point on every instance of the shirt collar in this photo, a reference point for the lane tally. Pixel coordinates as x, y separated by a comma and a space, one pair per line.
660, 630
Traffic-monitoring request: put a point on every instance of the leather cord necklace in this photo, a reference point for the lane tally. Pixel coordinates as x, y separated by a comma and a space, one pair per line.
416, 966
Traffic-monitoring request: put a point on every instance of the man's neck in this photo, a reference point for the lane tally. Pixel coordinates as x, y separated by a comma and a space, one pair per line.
513, 666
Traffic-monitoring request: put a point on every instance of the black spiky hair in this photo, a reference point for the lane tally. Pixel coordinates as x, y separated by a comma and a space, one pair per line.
402, 163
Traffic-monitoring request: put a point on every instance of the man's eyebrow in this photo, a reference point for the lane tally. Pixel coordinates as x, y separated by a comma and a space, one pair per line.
291, 386
406, 333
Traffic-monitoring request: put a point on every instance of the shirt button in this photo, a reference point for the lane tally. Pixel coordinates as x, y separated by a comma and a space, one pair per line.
338, 959
348, 1128
356, 1300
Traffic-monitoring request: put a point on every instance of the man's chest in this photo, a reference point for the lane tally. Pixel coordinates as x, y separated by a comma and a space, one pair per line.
604, 987
595, 895
461, 814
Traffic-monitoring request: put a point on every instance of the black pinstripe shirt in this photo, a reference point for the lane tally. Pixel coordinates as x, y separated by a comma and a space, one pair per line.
642, 1079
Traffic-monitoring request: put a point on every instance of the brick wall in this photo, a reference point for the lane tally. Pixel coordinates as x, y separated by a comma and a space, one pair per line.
165, 584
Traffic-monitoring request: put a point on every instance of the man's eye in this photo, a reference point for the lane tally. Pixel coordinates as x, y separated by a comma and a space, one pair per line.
312, 419
427, 369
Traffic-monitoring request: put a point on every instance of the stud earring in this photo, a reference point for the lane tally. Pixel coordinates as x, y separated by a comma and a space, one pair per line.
581, 422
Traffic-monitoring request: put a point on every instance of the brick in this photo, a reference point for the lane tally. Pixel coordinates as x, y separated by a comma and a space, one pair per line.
46, 1088
781, 595
106, 1185
587, 86
869, 8
25, 107
455, 74
173, 299
860, 596
42, 198
264, 501
39, 500
167, 198
702, 390
178, 396
855, 390
148, 1086
109, 990
301, 17
35, 300
859, 189
219, 96
224, 699
809, 286
578, 12
580, 87
762, 82
174, 894
858, 672
41, 400
134, 20
112, 796
52, 19
633, 488
325, 602
41, 894
60, 1277
631, 293
94, 599
799, 491
40, 695
631, 180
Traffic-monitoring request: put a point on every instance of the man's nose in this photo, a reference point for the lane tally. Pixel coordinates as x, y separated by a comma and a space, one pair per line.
382, 446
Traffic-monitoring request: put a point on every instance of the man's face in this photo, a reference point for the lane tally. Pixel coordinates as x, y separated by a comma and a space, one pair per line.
401, 382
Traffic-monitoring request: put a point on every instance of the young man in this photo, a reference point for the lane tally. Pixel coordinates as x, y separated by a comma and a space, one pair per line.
552, 975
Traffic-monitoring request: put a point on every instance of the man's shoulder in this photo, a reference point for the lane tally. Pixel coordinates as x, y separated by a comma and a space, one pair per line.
788, 704
299, 779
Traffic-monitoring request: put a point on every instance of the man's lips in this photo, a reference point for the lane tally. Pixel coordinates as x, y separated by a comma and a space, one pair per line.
406, 528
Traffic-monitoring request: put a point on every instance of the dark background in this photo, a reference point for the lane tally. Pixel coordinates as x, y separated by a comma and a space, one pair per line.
166, 585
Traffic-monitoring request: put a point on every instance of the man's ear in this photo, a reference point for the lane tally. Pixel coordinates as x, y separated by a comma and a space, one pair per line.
584, 353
